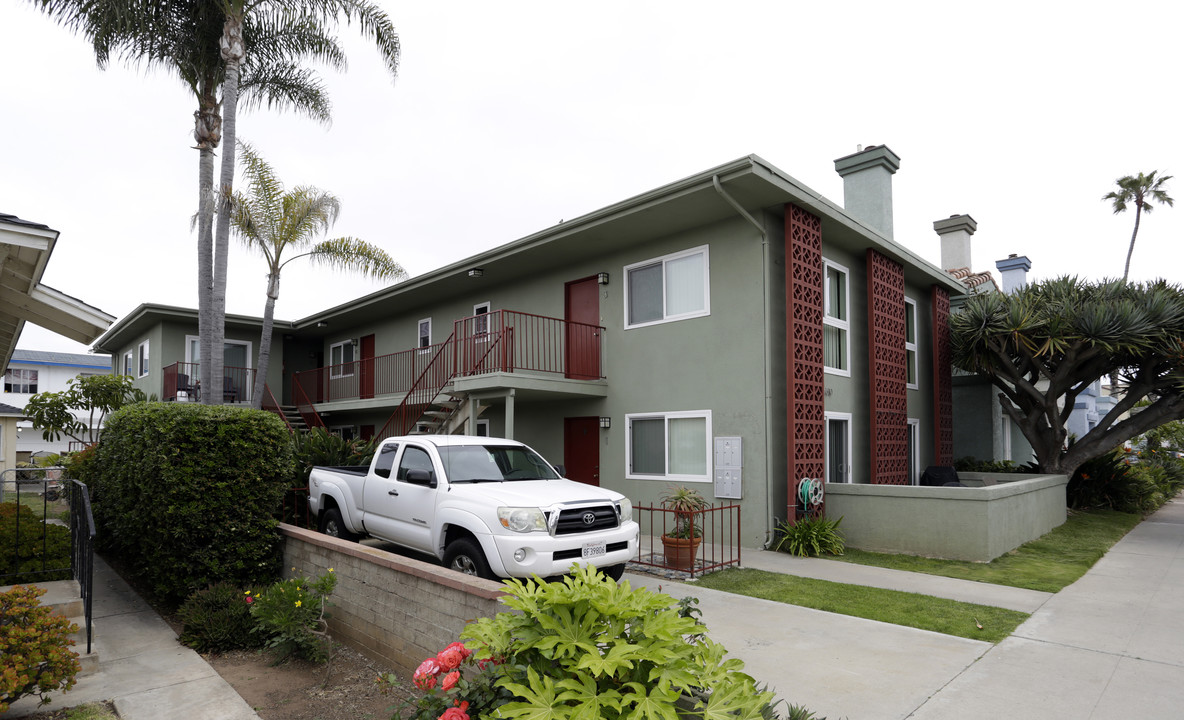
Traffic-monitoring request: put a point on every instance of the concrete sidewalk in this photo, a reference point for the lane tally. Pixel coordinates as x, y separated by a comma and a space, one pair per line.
142, 667
1111, 645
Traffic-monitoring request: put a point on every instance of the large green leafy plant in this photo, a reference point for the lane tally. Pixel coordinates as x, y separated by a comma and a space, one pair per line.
35, 655
810, 537
588, 647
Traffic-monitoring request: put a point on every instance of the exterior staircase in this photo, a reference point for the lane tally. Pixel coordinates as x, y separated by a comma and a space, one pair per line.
446, 415
293, 418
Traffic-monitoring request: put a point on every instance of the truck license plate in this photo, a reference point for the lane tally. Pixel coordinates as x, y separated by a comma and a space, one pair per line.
593, 550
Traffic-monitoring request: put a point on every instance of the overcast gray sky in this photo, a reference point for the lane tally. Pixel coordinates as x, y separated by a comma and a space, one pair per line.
508, 117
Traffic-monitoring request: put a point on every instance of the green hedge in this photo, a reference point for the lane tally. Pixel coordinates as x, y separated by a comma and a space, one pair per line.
40, 546
185, 494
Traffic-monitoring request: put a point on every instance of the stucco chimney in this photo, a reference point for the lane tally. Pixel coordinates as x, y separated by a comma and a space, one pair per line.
867, 186
1014, 271
955, 232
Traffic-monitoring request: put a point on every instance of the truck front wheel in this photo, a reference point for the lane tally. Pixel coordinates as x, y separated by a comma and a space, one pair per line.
464, 555
333, 526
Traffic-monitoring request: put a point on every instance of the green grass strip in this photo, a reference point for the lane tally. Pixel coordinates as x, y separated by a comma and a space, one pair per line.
891, 606
1048, 563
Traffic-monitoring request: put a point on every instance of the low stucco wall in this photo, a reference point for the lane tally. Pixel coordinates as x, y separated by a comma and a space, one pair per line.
393, 609
957, 523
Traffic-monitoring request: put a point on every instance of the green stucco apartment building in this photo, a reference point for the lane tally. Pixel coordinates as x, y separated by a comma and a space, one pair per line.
733, 330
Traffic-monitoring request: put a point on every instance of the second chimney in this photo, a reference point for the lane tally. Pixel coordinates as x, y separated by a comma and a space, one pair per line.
867, 186
955, 232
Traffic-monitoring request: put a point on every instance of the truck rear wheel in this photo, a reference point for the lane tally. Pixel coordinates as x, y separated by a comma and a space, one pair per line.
464, 555
333, 526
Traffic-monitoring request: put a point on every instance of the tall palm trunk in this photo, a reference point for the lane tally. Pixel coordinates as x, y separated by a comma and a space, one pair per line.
273, 294
233, 52
1127, 270
207, 132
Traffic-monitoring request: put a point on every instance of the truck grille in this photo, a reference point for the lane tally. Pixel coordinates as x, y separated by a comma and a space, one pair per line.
572, 522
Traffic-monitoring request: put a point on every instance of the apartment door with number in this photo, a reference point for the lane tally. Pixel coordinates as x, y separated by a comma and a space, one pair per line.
581, 449
367, 367
582, 313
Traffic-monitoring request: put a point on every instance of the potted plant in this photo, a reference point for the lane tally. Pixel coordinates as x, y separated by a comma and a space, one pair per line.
680, 546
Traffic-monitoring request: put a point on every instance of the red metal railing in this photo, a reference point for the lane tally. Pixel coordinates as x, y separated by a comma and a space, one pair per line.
427, 386
182, 382
270, 405
304, 406
501, 341
717, 528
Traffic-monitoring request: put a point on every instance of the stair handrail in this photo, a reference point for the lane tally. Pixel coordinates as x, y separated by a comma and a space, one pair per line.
304, 406
401, 414
82, 531
269, 404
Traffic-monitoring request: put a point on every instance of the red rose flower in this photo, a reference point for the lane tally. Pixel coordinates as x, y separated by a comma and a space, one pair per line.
449, 659
454, 713
450, 680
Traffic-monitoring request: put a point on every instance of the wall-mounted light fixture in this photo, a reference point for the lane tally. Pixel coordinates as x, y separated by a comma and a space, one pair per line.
606, 422
602, 278
353, 341
476, 272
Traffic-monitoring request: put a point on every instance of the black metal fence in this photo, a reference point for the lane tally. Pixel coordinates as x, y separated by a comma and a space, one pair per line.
31, 551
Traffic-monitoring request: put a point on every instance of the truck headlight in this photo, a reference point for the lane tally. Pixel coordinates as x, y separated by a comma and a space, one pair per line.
625, 510
522, 519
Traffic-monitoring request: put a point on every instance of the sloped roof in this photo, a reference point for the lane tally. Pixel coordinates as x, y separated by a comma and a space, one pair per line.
47, 357
974, 280
10, 411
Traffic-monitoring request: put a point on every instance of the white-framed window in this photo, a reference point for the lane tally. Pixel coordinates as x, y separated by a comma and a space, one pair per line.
481, 323
669, 288
836, 325
143, 359
345, 432
669, 446
425, 333
910, 343
21, 381
127, 363
482, 428
235, 353
341, 359
838, 447
914, 451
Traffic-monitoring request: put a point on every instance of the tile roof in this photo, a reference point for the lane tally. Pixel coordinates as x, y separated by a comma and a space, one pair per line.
5, 217
973, 280
44, 357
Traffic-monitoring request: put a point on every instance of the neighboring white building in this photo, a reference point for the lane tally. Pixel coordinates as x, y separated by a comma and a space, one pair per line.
33, 371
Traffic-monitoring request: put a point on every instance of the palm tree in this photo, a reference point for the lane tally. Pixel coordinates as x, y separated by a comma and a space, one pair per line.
1142, 190
273, 220
277, 14
186, 37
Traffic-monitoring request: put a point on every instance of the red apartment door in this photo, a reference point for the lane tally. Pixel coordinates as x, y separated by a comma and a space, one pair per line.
367, 367
582, 313
581, 449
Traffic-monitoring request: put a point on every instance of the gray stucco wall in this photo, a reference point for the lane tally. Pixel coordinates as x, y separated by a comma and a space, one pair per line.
958, 523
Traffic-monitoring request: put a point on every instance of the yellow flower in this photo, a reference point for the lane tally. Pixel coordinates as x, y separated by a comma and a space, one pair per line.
247, 592
298, 603
330, 569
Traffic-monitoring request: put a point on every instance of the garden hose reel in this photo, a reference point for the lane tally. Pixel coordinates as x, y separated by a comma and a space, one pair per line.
811, 494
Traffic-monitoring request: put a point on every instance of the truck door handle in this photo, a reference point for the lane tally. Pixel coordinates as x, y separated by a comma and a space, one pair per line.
392, 492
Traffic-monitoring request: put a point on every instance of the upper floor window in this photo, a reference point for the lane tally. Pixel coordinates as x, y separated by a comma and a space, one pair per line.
674, 287
143, 362
910, 343
836, 324
20, 381
425, 332
481, 319
341, 359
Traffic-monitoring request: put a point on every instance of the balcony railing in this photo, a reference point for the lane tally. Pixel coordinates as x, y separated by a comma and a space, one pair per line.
501, 341
182, 383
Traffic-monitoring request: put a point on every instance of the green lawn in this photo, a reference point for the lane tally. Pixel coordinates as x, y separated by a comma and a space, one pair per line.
1048, 563
892, 606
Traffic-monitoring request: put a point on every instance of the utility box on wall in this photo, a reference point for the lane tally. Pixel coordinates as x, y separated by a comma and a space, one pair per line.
727, 467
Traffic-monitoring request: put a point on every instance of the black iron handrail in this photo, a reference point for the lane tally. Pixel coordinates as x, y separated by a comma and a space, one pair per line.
82, 556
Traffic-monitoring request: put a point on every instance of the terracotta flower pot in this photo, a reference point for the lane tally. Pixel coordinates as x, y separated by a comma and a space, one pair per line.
680, 553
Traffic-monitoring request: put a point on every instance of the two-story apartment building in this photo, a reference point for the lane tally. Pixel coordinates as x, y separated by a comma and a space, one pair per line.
733, 330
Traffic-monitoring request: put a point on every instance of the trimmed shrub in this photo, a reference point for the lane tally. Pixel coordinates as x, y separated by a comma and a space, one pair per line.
40, 547
185, 494
290, 617
35, 655
218, 619
318, 446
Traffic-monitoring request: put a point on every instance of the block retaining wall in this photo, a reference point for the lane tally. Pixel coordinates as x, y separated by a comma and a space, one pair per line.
393, 609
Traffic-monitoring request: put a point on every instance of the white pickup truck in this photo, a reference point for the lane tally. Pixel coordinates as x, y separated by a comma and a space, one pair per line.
485, 506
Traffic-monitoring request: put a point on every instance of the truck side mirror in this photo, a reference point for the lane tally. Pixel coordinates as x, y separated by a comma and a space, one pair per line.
561, 470
421, 477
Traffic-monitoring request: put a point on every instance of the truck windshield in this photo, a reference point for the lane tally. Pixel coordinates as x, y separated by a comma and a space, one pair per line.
493, 463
